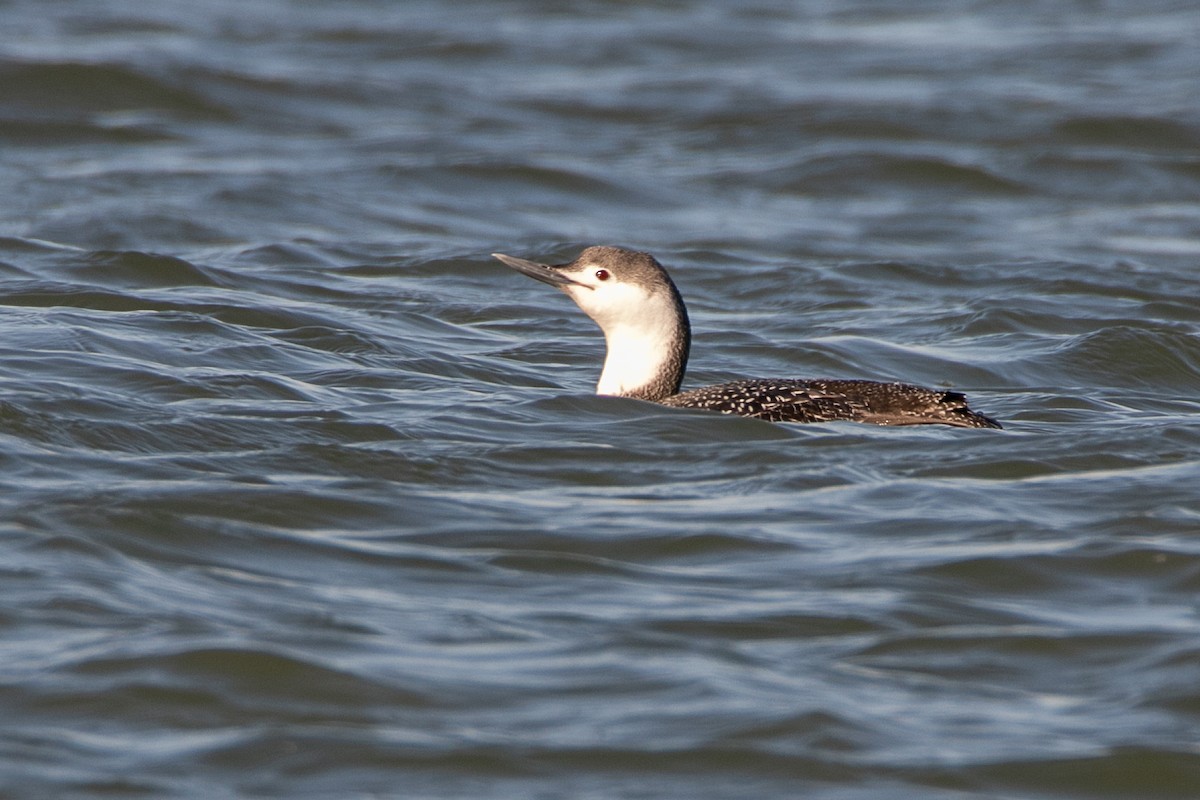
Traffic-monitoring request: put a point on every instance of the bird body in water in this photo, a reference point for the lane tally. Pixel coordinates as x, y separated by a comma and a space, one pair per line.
646, 328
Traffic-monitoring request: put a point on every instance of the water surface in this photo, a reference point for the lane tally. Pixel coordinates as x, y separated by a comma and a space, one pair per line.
303, 495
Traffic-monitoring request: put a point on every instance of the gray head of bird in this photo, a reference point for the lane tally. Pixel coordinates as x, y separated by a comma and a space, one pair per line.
635, 303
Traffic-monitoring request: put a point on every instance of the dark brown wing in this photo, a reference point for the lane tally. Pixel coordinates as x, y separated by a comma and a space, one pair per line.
830, 400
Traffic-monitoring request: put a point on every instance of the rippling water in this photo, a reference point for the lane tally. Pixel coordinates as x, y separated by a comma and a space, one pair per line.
302, 495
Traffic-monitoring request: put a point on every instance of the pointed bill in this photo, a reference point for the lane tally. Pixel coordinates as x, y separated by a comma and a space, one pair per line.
541, 272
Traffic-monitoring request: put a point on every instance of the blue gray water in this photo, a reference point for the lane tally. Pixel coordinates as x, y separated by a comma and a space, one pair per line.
302, 495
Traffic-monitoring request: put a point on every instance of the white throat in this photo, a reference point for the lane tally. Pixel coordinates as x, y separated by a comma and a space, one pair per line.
640, 328
636, 358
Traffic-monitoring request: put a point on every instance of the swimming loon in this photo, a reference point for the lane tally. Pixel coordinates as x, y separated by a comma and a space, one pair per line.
645, 325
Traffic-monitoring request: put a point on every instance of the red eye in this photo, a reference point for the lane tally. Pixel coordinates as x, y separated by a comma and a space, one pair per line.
602, 274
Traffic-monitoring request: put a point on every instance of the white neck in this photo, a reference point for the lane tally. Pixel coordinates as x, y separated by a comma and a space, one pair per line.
637, 355
645, 326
